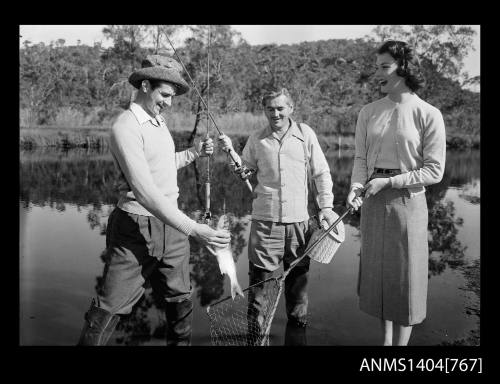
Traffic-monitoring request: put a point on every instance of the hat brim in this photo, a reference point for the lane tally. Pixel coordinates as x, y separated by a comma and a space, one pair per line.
159, 73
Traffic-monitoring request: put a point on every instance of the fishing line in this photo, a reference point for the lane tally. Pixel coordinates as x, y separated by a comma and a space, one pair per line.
235, 161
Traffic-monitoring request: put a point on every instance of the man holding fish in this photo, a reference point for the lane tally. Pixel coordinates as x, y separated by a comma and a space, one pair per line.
147, 234
281, 154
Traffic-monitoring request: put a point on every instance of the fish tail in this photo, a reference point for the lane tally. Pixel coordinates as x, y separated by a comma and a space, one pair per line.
236, 289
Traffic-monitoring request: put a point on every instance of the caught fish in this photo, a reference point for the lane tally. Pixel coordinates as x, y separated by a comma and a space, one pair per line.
225, 259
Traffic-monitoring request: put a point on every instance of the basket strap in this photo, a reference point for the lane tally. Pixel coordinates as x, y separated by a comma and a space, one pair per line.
310, 183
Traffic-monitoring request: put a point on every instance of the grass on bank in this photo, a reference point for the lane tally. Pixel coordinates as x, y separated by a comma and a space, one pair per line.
75, 133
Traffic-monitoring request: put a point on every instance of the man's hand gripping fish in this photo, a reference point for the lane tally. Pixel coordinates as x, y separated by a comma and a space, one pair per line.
225, 259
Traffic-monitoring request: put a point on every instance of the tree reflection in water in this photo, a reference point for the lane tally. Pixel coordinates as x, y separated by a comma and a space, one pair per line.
443, 238
444, 247
82, 177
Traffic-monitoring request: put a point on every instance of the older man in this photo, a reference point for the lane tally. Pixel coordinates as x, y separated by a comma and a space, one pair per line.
147, 235
281, 154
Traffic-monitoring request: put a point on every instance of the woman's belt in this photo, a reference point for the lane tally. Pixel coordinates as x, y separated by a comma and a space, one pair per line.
387, 171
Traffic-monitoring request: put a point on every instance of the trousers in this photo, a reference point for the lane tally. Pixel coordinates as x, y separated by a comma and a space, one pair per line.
141, 250
270, 244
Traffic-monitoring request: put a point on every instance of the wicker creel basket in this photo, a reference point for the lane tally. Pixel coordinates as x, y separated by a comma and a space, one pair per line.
324, 251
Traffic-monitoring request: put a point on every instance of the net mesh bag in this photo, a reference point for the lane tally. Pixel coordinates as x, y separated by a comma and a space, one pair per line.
242, 321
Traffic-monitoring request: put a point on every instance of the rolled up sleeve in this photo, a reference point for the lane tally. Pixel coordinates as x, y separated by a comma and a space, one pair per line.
186, 157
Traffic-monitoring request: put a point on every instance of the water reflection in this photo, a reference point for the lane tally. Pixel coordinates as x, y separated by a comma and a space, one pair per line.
295, 335
87, 177
443, 238
444, 247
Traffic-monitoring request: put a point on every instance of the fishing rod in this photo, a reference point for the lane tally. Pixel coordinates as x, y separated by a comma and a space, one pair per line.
230, 152
208, 214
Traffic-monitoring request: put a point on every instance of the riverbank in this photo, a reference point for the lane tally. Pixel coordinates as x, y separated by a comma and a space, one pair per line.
96, 137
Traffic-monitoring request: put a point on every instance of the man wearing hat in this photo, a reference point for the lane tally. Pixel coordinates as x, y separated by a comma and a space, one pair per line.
147, 235
283, 154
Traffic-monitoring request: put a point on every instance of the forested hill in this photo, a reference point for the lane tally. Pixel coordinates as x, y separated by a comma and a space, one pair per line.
329, 80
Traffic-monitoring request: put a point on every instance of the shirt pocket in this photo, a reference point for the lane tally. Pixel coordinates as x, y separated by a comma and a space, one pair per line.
264, 204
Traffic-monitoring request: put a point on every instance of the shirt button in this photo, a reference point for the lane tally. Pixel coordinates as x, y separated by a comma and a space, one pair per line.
283, 185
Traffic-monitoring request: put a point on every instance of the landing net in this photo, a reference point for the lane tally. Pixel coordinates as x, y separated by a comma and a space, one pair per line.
242, 321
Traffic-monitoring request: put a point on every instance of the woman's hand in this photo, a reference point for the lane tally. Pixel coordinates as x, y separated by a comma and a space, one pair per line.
354, 198
374, 186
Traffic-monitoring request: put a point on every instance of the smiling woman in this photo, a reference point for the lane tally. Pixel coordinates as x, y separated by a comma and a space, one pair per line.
400, 148
397, 66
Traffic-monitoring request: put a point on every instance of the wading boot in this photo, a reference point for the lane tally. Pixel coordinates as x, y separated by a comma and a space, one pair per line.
98, 327
179, 317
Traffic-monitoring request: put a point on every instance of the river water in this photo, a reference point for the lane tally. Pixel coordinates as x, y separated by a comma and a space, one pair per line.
66, 197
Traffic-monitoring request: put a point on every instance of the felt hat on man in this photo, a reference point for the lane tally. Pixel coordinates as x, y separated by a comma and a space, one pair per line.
158, 67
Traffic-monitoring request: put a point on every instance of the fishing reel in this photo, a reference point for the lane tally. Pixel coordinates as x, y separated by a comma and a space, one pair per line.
207, 218
244, 172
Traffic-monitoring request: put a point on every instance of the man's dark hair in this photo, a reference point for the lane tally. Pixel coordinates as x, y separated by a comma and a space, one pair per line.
408, 63
276, 92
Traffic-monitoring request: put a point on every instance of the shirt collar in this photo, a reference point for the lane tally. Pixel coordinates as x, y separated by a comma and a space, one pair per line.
293, 131
141, 115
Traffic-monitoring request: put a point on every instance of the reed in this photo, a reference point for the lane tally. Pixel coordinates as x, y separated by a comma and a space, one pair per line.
72, 129
88, 137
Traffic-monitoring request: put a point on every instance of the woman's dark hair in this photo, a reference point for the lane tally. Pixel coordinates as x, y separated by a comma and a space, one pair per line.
408, 63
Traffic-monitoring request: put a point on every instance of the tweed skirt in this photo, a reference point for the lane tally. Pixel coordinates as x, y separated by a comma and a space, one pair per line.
393, 270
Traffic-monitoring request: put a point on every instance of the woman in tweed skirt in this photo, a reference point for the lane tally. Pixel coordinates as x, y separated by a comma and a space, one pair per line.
400, 148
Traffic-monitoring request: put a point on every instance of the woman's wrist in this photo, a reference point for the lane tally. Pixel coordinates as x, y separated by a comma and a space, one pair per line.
355, 187
389, 182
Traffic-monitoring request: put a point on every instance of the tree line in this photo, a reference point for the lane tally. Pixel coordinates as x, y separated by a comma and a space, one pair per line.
330, 80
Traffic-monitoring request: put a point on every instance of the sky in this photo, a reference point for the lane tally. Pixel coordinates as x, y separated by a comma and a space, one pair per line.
253, 34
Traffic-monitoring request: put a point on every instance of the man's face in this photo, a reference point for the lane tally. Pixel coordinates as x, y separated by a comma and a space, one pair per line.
386, 75
160, 97
277, 111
